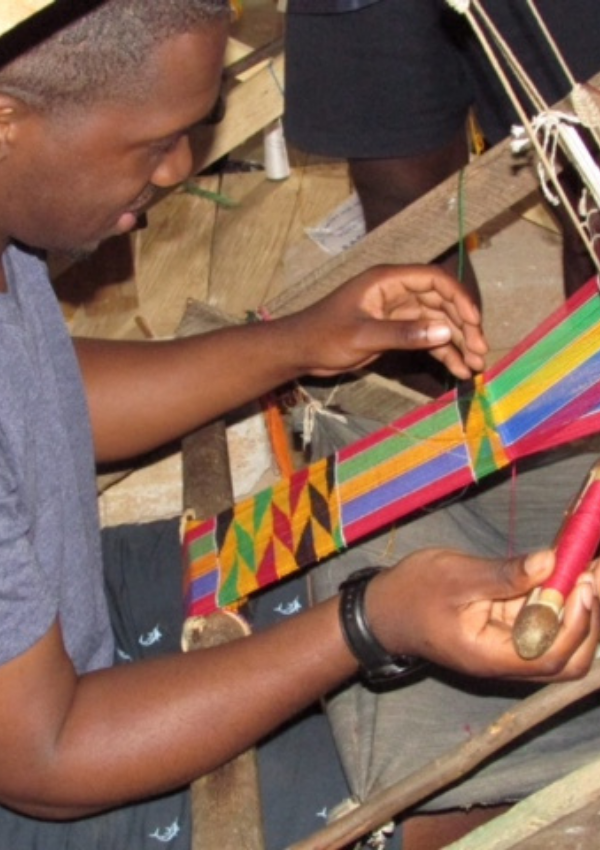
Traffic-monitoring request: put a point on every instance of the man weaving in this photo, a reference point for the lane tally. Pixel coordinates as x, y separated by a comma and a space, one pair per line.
98, 106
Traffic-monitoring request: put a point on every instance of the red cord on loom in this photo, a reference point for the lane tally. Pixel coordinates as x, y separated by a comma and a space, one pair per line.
539, 620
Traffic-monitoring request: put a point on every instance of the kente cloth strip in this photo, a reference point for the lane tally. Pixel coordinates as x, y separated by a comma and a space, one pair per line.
544, 393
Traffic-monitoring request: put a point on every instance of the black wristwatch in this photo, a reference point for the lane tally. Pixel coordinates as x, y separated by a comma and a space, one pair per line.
379, 669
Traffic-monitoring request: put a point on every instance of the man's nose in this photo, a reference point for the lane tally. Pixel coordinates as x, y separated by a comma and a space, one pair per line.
176, 165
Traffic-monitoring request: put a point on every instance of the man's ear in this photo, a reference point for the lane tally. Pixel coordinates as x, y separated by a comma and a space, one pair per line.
12, 112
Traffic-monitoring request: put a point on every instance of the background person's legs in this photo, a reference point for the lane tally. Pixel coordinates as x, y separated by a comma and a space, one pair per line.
386, 89
386, 187
300, 775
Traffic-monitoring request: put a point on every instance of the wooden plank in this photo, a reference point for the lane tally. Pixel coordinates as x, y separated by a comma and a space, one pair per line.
249, 240
225, 803
578, 831
251, 106
460, 761
243, 61
206, 476
326, 184
174, 256
546, 813
425, 229
370, 395
253, 242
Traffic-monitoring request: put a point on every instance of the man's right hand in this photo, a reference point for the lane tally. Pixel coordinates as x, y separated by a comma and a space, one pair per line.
459, 610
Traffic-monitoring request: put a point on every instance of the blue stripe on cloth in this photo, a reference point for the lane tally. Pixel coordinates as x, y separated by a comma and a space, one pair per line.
405, 484
550, 403
203, 586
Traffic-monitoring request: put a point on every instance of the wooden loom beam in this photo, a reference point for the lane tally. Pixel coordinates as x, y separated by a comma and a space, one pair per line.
492, 183
253, 102
226, 812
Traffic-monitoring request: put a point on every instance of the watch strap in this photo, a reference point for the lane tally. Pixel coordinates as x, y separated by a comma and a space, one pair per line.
378, 667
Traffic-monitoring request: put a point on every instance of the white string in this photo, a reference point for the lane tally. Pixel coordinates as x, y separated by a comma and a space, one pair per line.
314, 408
586, 109
552, 43
561, 126
555, 132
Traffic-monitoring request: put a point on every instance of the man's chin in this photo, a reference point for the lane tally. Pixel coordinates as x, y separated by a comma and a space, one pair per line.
85, 251
78, 255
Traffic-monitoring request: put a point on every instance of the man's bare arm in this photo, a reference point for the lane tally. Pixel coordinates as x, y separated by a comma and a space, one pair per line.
142, 395
74, 745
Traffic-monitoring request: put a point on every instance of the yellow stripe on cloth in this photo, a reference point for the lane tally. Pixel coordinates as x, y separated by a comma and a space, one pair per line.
549, 374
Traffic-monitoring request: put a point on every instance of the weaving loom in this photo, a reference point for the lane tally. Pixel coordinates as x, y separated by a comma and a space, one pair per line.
544, 129
546, 392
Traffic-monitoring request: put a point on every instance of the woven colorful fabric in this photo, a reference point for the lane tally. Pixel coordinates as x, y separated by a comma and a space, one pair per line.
544, 393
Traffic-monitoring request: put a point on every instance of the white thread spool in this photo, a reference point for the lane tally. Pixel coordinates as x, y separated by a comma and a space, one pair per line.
277, 165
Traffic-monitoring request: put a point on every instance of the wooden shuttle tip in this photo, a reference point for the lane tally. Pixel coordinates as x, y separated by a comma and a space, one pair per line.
535, 629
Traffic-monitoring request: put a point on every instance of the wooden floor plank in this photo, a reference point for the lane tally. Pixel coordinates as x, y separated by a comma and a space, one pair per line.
174, 256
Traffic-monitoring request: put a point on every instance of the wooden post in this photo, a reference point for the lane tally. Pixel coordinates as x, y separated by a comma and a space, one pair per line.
225, 803
226, 807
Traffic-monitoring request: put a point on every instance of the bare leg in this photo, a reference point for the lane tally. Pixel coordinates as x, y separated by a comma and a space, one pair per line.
387, 186
578, 266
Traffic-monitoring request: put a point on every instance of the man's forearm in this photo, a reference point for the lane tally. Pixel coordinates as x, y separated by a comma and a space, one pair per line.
142, 395
137, 730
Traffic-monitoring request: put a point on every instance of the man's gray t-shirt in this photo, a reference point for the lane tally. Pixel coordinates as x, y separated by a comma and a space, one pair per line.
50, 557
51, 566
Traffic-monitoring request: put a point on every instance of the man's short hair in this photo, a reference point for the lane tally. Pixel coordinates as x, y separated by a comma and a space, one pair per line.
103, 53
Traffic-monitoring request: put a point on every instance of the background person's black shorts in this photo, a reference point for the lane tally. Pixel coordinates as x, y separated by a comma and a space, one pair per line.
396, 78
